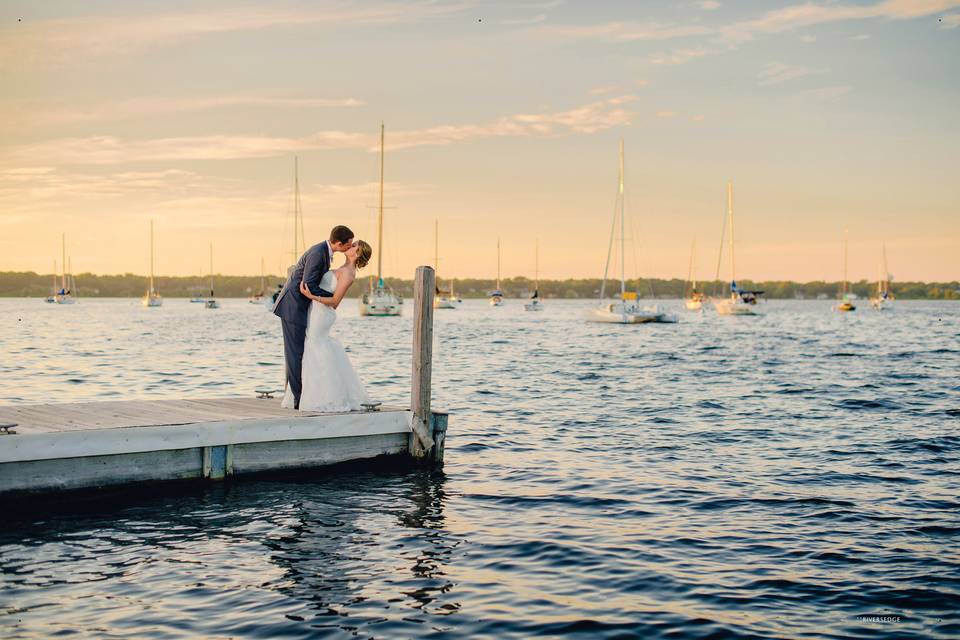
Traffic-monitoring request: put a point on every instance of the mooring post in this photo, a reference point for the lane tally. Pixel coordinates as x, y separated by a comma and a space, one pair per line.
424, 288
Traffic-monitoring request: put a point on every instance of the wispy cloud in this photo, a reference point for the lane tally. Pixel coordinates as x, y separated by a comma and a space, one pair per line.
778, 73
57, 41
709, 5
823, 94
536, 19
951, 21
678, 56
105, 150
148, 107
789, 18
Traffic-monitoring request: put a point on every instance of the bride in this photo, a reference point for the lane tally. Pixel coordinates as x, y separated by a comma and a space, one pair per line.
329, 382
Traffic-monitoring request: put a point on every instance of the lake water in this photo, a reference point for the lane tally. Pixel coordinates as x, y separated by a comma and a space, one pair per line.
790, 475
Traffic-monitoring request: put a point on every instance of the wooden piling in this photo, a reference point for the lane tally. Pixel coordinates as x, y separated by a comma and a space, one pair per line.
421, 437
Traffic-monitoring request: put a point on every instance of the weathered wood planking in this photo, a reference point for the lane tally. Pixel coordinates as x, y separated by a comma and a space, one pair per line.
76, 443
425, 288
45, 418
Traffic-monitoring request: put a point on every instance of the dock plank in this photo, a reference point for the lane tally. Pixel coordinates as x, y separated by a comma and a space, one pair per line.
117, 414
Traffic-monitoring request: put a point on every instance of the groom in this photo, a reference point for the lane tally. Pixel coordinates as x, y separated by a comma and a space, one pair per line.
292, 306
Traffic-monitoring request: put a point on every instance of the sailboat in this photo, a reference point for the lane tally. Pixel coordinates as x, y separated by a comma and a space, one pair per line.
151, 298
64, 295
845, 303
380, 300
496, 296
52, 298
694, 298
260, 296
443, 299
741, 301
211, 302
883, 300
627, 309
535, 304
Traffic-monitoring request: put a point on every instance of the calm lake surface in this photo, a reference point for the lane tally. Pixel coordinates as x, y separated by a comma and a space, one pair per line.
790, 475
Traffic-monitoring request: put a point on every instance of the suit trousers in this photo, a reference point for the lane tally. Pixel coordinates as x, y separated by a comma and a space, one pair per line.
294, 336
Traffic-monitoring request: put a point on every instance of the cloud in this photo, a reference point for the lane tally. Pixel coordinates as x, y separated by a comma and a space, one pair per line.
106, 150
808, 39
153, 106
627, 31
540, 17
63, 40
778, 73
679, 56
191, 199
823, 94
789, 18
951, 21
709, 5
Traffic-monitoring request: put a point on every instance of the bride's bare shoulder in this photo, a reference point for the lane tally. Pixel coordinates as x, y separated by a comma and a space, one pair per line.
348, 274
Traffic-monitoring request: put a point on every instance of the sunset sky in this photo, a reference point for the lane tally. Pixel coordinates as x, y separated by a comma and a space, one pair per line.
502, 118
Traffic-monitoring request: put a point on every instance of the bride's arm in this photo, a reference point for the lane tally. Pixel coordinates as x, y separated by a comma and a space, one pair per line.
343, 284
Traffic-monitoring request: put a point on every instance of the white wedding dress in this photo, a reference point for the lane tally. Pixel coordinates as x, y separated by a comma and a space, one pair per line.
329, 381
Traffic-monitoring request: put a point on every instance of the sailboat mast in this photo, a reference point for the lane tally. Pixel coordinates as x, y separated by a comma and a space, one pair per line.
211, 269
63, 249
298, 236
536, 265
733, 262
380, 216
886, 274
498, 263
845, 243
54, 276
623, 280
151, 258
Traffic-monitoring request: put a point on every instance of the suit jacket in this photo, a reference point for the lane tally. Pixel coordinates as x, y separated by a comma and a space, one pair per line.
291, 305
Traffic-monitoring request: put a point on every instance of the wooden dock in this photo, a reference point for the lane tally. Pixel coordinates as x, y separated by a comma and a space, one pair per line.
52, 447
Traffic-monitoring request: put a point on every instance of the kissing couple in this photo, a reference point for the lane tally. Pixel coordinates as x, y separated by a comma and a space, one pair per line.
319, 374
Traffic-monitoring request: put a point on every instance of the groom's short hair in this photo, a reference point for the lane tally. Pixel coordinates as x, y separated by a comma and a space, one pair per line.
340, 234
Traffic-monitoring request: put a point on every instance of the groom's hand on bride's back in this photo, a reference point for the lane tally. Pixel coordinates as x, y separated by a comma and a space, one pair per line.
321, 293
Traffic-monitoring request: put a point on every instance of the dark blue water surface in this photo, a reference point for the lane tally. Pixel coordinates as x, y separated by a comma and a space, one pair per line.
791, 475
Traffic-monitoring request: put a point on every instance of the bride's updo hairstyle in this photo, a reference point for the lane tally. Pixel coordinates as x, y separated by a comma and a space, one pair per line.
364, 253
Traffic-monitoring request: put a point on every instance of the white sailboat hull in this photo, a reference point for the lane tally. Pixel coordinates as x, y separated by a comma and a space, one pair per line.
380, 302
693, 305
64, 299
533, 305
619, 313
496, 301
443, 302
212, 304
151, 301
734, 307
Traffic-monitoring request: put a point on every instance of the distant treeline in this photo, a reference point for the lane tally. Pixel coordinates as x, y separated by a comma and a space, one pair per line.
128, 285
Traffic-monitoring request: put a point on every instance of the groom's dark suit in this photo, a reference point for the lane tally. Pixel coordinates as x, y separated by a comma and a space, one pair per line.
292, 307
